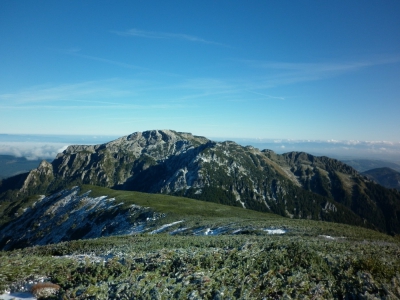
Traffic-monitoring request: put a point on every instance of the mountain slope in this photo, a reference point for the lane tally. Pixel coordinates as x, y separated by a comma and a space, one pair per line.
386, 177
336, 180
91, 212
192, 250
296, 185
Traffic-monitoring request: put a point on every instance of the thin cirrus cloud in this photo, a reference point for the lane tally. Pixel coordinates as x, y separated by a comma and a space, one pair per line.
89, 91
282, 73
323, 66
126, 95
165, 35
266, 96
76, 52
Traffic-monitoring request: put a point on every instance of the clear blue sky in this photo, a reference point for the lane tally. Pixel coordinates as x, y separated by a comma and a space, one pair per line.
249, 69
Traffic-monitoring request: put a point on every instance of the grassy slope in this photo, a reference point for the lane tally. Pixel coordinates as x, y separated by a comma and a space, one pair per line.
299, 264
208, 213
176, 206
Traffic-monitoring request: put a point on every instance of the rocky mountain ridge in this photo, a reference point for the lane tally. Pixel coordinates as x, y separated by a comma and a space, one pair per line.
294, 184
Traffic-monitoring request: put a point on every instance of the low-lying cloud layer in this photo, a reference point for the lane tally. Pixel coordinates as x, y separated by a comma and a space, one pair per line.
46, 147
336, 149
32, 150
34, 147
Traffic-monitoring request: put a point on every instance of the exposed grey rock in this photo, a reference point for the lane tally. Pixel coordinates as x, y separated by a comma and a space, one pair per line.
67, 215
41, 175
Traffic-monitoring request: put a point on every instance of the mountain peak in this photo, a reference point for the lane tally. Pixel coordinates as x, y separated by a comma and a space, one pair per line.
166, 135
294, 184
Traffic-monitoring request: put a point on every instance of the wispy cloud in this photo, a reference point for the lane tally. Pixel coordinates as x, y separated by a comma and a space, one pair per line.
88, 91
165, 35
266, 96
323, 66
282, 73
76, 52
112, 94
108, 61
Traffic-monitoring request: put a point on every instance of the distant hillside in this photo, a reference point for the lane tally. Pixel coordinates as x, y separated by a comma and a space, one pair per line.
12, 165
386, 177
295, 184
362, 165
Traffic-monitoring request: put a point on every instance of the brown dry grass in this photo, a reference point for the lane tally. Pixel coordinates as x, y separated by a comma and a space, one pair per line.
38, 288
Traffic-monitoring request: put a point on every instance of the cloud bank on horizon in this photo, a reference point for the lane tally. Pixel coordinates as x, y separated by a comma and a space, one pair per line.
34, 147
276, 70
39, 147
32, 151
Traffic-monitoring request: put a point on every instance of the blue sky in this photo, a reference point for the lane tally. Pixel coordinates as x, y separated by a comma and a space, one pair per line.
319, 70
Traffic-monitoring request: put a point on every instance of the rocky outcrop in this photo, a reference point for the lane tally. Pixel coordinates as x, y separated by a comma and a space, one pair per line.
115, 163
67, 215
38, 178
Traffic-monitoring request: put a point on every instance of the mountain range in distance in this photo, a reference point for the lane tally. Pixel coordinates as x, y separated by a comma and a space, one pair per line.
294, 184
386, 177
11, 165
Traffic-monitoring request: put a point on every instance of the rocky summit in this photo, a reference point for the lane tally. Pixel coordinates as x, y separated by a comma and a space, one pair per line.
295, 184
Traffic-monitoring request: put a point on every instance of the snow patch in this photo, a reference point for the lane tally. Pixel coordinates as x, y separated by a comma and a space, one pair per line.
165, 226
17, 296
328, 237
209, 231
275, 231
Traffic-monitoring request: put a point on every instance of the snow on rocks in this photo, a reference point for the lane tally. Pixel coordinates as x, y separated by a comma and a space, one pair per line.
67, 216
275, 231
29, 289
165, 226
328, 237
17, 296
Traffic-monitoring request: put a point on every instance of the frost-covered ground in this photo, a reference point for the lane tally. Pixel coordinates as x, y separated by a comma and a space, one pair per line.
17, 296
22, 289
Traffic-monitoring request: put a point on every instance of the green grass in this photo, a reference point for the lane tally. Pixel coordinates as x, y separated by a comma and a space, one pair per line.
11, 209
204, 213
299, 264
177, 206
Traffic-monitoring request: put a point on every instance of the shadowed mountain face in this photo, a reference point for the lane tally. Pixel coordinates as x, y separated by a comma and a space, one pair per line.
386, 177
296, 185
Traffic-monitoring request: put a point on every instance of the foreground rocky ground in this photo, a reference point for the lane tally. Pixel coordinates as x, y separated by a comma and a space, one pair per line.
210, 267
